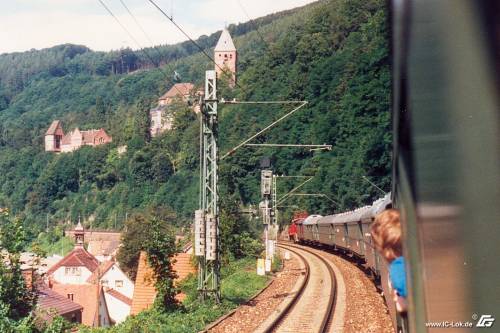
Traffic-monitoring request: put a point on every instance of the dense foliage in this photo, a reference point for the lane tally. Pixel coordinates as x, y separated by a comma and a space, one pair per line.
334, 54
17, 297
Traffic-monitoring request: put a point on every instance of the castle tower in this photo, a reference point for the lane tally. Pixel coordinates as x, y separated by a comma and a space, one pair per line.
79, 235
53, 137
226, 57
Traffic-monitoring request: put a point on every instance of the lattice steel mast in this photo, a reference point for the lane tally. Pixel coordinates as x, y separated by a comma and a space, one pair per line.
207, 217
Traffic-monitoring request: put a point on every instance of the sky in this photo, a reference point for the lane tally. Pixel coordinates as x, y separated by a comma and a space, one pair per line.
36, 24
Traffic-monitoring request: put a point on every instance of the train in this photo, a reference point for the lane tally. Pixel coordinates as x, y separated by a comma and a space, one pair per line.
349, 233
446, 165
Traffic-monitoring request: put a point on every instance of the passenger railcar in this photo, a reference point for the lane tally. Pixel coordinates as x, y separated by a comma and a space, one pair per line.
349, 233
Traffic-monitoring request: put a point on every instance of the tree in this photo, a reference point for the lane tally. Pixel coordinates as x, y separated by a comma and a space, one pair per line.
142, 119
138, 232
16, 299
161, 249
133, 242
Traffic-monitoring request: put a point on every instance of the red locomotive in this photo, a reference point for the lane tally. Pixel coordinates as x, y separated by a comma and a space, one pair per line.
298, 217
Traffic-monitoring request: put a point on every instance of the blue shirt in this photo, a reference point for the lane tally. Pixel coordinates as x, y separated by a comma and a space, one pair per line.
397, 274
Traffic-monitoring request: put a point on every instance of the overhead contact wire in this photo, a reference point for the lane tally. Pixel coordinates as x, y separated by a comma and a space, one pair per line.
141, 49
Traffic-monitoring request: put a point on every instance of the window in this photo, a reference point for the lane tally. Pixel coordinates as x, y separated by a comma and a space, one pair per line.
225, 55
104, 282
118, 283
71, 297
67, 270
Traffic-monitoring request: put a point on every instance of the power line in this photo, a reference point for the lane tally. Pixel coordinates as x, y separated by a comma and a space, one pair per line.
373, 184
121, 25
289, 145
255, 26
141, 49
171, 19
222, 101
263, 130
137, 22
293, 190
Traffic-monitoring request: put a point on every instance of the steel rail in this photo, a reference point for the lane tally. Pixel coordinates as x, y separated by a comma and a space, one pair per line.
295, 298
333, 297
288, 309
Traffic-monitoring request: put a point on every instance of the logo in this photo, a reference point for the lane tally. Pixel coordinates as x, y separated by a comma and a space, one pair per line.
485, 321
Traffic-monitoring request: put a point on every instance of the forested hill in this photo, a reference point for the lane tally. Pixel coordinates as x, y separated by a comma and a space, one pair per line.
333, 54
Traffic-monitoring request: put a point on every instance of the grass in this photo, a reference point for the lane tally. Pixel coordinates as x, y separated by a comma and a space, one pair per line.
239, 283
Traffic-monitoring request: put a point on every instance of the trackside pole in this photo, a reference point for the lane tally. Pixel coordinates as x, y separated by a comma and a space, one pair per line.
207, 243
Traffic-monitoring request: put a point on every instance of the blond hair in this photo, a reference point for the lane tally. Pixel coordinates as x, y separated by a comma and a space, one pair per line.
386, 234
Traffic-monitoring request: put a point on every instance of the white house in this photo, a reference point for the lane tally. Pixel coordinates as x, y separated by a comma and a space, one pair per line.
77, 266
118, 289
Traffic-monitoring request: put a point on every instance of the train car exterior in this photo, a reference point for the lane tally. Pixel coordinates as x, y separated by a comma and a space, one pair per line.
446, 159
349, 232
310, 229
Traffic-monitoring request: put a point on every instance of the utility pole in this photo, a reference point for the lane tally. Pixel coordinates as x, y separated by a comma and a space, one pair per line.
207, 217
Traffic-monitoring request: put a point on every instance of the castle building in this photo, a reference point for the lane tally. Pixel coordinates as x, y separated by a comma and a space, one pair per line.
225, 56
57, 141
53, 137
225, 66
161, 121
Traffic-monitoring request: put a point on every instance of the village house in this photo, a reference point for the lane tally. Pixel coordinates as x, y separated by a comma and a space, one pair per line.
101, 288
57, 141
51, 304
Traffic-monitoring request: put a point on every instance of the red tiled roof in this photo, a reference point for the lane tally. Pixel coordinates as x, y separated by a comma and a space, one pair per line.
51, 300
86, 295
182, 266
103, 247
118, 295
100, 271
78, 257
144, 290
178, 89
55, 128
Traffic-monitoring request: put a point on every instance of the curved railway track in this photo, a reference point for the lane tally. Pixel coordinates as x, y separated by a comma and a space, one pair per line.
310, 309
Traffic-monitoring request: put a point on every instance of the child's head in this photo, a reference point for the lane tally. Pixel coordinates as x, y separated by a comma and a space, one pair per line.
386, 234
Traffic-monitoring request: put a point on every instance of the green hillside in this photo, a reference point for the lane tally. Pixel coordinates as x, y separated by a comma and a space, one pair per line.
333, 54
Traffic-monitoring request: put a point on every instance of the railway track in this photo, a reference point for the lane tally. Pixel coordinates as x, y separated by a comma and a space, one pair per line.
310, 308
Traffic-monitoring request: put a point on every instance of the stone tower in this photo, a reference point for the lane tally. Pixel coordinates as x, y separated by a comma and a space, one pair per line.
53, 137
79, 235
226, 57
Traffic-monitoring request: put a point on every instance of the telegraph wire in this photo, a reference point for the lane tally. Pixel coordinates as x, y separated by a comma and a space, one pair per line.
137, 22
145, 34
255, 25
141, 49
120, 24
171, 19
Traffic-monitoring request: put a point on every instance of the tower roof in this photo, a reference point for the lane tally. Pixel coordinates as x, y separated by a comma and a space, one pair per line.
225, 42
55, 128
